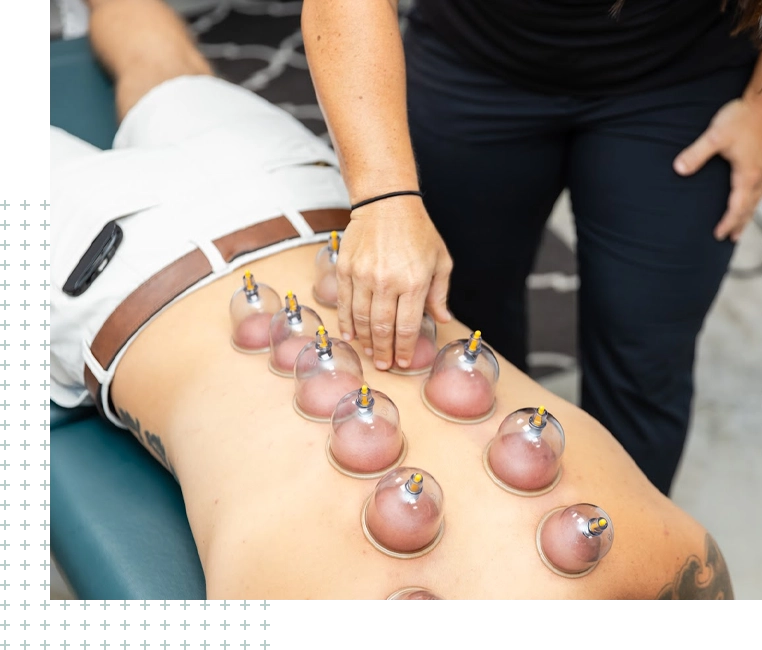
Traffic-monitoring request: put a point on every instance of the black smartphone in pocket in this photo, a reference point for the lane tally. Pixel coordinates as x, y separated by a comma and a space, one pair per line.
95, 259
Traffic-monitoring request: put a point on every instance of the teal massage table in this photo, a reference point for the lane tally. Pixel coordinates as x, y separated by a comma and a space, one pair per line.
118, 524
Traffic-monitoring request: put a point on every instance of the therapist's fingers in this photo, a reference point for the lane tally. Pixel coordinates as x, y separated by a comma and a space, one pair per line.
344, 301
361, 304
409, 315
436, 300
746, 190
383, 312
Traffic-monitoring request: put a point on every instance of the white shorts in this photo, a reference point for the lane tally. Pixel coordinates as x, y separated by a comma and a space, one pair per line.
195, 159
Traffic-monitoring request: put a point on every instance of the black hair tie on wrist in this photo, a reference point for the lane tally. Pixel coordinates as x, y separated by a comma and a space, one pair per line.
386, 196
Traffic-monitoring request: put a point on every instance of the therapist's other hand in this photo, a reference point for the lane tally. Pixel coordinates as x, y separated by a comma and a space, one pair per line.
392, 265
735, 133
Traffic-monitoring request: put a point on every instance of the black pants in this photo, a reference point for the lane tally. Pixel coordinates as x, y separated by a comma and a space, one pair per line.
493, 158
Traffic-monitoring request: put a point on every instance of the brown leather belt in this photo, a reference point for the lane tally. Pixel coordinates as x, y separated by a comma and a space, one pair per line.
163, 287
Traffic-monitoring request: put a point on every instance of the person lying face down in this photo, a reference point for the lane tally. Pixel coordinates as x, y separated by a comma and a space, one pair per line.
272, 516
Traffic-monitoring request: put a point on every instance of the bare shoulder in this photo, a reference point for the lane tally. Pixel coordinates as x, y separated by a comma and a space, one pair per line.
703, 576
670, 556
659, 550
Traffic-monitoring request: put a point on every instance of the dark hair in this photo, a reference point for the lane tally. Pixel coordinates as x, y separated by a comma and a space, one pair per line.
748, 16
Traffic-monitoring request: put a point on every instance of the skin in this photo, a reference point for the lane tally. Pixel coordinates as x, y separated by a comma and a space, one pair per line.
327, 289
253, 332
401, 526
393, 263
735, 133
523, 462
566, 548
361, 446
160, 47
393, 259
459, 393
424, 354
253, 472
288, 340
271, 517
419, 594
285, 353
317, 396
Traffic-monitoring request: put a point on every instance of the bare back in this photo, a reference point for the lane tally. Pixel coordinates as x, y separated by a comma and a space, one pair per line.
272, 518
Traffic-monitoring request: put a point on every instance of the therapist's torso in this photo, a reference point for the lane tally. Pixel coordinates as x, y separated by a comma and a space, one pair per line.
577, 47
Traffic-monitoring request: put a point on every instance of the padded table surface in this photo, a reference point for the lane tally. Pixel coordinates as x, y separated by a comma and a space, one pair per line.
81, 95
118, 524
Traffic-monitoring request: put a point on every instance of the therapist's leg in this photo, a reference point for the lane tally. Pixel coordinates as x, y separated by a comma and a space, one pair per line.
142, 43
491, 161
648, 262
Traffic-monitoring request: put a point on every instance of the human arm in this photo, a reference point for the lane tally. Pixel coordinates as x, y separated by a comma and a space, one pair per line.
735, 133
392, 263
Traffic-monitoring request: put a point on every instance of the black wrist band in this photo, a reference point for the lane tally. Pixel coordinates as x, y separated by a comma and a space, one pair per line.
386, 196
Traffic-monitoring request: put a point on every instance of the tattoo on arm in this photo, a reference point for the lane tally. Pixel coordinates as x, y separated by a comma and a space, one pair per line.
149, 440
133, 424
697, 580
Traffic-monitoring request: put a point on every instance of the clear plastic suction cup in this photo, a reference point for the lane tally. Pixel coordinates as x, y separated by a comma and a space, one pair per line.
324, 372
404, 516
251, 309
571, 541
290, 330
461, 384
414, 593
325, 290
425, 350
366, 440
525, 455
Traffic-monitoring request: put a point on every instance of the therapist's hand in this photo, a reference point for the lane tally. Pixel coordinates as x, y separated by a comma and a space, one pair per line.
735, 133
392, 265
